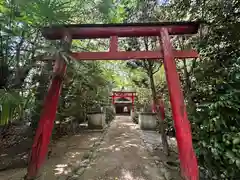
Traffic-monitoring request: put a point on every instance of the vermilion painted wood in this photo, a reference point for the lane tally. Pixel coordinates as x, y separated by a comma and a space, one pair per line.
43, 134
154, 108
120, 93
86, 31
113, 99
187, 156
161, 108
131, 55
124, 94
45, 126
114, 44
133, 103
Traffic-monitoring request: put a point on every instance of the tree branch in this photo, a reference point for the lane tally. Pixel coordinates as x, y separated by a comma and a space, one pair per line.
160, 65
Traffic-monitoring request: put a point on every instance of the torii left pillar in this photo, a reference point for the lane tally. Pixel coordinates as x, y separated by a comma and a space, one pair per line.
46, 123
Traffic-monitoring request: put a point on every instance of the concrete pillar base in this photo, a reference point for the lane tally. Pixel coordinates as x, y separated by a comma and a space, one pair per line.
147, 121
132, 113
96, 120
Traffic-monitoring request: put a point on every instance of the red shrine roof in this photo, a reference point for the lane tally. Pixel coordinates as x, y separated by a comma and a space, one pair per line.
128, 90
88, 31
124, 92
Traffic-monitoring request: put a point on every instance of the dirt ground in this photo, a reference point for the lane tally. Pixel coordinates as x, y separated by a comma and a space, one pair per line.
121, 151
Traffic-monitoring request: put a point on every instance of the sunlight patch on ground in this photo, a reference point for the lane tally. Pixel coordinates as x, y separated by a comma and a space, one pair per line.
130, 125
120, 147
60, 169
93, 139
108, 148
127, 175
72, 154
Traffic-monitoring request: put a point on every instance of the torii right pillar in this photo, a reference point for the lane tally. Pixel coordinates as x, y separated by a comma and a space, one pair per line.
188, 160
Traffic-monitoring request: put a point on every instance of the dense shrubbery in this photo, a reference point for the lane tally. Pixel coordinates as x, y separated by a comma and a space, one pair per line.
109, 114
24, 78
216, 118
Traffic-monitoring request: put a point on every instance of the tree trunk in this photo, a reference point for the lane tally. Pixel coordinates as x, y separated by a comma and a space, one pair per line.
188, 87
40, 93
186, 77
161, 121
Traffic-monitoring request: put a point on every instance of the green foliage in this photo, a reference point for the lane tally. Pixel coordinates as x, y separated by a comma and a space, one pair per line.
11, 104
109, 114
87, 87
114, 11
218, 133
216, 129
213, 88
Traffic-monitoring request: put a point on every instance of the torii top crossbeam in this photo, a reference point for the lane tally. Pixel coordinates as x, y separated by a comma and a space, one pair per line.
88, 31
113, 31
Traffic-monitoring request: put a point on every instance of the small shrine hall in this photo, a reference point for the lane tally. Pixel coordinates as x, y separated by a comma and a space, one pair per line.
123, 100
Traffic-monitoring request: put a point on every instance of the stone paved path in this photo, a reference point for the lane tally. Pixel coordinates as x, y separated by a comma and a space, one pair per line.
122, 156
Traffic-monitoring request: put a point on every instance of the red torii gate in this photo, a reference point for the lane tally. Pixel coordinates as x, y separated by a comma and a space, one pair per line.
66, 33
160, 107
120, 94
